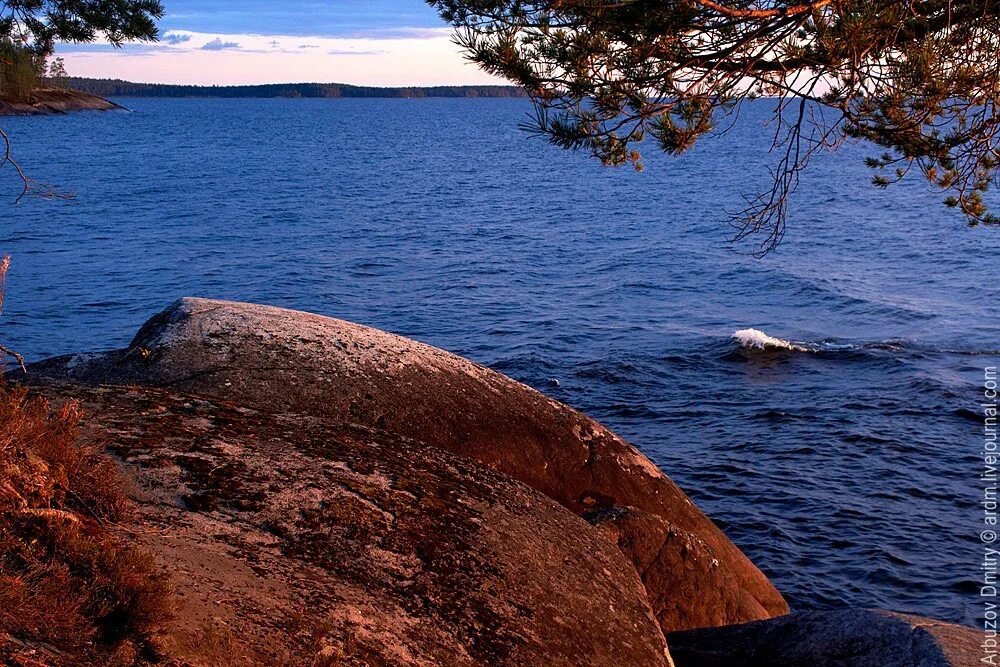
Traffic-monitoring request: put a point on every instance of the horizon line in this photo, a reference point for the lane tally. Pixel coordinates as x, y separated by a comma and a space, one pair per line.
293, 83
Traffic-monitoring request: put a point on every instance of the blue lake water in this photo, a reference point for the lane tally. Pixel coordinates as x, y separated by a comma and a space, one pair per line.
848, 473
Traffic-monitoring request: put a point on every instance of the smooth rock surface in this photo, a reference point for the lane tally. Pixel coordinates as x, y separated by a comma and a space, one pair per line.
48, 100
278, 360
667, 557
843, 638
296, 540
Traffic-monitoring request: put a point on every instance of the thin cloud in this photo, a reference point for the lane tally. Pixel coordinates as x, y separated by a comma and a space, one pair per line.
274, 58
218, 45
347, 52
403, 33
174, 38
308, 46
130, 49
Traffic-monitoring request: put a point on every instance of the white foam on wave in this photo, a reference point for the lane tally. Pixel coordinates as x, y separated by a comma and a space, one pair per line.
755, 339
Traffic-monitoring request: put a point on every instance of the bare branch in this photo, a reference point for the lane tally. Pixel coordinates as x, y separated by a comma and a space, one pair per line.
5, 351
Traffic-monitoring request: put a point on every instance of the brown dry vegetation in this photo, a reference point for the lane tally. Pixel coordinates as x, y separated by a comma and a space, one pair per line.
73, 591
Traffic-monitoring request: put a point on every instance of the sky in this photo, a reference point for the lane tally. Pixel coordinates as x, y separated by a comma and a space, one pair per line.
367, 42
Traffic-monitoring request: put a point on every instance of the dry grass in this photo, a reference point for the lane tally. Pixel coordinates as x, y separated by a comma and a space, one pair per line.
215, 645
72, 591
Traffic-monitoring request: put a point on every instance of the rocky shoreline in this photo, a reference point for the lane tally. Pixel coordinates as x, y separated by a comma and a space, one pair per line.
52, 100
325, 493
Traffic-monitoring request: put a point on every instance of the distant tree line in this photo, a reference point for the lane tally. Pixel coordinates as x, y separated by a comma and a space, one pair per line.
118, 88
20, 70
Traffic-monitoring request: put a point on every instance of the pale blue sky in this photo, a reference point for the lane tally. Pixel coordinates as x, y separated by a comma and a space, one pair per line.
334, 18
377, 42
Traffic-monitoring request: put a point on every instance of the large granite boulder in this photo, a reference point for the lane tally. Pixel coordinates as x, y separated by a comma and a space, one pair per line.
297, 540
843, 638
277, 360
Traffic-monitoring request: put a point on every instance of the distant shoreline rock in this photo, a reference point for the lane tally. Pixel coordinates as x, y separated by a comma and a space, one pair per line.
52, 100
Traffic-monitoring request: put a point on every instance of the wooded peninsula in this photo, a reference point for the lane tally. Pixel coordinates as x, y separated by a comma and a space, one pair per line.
119, 88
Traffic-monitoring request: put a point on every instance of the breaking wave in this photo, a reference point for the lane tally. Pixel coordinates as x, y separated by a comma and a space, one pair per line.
755, 339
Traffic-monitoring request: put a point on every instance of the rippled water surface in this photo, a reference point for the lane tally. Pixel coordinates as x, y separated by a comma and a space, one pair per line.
848, 469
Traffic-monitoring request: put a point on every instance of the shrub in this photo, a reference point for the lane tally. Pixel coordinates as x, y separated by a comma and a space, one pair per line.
71, 589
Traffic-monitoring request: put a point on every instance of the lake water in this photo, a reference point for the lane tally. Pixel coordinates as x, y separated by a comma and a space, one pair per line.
848, 471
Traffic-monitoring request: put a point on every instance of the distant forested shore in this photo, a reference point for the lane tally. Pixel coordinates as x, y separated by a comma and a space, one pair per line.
119, 88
